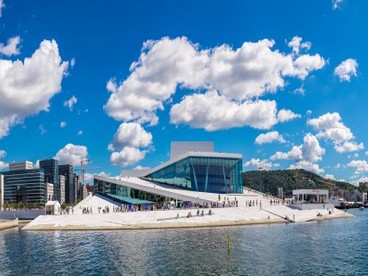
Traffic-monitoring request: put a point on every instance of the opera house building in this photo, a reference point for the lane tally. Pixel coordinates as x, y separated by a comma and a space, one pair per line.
195, 173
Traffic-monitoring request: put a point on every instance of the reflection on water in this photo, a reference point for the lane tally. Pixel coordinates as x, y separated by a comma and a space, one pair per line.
331, 248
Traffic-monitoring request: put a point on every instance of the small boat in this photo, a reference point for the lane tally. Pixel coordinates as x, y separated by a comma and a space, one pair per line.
361, 208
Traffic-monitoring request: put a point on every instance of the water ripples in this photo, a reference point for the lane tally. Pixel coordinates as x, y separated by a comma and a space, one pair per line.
330, 248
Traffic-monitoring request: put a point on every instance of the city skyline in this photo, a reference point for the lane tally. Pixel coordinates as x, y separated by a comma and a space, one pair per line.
284, 86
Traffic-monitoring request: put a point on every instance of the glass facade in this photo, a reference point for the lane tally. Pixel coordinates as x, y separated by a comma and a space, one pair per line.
203, 174
51, 170
68, 172
126, 194
25, 186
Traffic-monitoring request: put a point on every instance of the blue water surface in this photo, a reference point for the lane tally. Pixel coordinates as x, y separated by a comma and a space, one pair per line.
337, 247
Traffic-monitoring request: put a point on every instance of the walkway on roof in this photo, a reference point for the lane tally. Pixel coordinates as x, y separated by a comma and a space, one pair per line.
163, 190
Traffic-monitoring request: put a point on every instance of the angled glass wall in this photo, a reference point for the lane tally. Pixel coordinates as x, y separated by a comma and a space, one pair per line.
203, 174
126, 194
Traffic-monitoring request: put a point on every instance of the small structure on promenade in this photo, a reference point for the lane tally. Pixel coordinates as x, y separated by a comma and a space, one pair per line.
305, 199
310, 196
53, 208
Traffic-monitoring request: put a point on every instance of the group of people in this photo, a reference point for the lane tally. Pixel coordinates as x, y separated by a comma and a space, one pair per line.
226, 202
252, 203
199, 213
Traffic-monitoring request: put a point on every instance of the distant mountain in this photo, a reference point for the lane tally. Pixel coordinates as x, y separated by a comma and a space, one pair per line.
269, 181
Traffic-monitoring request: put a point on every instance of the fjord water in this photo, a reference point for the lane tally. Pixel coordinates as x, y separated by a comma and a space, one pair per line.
337, 247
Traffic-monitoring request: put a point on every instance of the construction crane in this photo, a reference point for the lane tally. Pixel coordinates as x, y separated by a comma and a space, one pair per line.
82, 169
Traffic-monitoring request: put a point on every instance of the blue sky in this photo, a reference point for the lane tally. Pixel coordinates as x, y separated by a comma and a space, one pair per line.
282, 82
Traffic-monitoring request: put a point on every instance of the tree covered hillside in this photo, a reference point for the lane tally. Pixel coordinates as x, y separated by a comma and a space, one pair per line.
269, 181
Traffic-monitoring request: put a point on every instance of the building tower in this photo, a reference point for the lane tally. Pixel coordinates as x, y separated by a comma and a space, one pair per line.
68, 172
51, 171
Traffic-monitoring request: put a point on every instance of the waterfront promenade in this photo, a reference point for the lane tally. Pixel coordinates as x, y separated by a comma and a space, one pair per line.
228, 216
231, 210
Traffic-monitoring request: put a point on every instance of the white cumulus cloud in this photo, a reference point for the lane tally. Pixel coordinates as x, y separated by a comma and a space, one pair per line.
269, 137
127, 156
348, 146
309, 166
331, 127
285, 115
71, 102
330, 176
361, 166
227, 83
129, 144
306, 155
296, 44
237, 75
71, 154
12, 47
211, 112
309, 151
130, 135
26, 87
88, 177
260, 164
3, 165
346, 69
294, 154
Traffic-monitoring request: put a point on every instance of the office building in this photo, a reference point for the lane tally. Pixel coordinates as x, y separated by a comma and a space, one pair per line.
51, 171
1, 192
68, 172
22, 165
49, 191
76, 187
25, 187
62, 188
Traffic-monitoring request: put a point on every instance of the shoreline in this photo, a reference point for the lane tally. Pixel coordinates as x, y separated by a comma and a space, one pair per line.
160, 220
7, 224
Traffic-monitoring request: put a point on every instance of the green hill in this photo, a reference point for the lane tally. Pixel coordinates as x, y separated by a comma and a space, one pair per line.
269, 181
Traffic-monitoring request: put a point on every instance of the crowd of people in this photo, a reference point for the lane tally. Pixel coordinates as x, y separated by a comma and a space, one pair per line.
222, 202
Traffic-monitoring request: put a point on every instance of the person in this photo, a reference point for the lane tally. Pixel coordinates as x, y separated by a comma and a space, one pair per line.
197, 211
189, 215
202, 213
209, 212
177, 215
